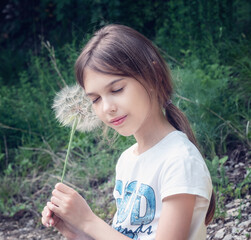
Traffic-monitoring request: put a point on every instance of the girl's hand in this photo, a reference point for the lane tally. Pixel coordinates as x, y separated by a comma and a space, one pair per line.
50, 219
71, 207
74, 219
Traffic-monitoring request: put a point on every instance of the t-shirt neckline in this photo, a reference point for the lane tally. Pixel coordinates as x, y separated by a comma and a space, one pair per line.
154, 146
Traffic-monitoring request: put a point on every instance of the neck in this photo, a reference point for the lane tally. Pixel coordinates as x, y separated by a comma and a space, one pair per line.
155, 129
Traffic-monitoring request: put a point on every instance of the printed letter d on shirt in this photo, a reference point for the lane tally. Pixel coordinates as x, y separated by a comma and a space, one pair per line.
148, 193
132, 203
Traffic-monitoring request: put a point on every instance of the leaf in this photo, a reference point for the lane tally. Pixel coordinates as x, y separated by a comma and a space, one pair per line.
223, 160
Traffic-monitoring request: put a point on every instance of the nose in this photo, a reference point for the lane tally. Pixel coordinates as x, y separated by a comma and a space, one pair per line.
109, 106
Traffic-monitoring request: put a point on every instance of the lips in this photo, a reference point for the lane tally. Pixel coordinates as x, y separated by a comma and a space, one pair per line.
119, 120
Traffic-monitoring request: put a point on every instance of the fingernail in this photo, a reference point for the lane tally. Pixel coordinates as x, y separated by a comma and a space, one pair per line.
47, 215
51, 222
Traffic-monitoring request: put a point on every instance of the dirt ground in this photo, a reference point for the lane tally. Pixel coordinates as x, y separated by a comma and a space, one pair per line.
25, 225
236, 224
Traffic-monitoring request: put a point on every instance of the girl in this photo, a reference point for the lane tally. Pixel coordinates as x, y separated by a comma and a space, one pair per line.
163, 188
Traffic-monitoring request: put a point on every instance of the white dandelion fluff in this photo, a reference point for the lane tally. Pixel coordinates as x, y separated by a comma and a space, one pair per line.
71, 104
73, 109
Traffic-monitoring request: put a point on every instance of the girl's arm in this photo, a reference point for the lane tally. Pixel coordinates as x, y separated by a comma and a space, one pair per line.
67, 230
174, 223
176, 217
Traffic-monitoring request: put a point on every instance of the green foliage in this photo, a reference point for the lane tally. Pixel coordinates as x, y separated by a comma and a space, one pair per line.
174, 24
10, 199
218, 114
217, 171
25, 109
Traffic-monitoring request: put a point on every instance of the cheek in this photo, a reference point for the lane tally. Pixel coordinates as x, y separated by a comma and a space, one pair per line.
97, 112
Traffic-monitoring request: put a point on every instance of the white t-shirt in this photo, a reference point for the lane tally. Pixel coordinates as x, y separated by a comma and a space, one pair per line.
172, 166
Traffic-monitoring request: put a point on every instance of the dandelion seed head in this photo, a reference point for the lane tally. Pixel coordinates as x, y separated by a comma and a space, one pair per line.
71, 103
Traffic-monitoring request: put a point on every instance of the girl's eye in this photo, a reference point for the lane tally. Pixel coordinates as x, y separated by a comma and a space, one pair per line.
118, 90
95, 100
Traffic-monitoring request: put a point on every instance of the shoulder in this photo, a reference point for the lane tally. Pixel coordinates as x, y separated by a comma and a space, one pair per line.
184, 169
182, 154
177, 145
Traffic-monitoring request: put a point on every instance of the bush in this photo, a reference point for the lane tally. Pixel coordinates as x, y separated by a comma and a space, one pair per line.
218, 114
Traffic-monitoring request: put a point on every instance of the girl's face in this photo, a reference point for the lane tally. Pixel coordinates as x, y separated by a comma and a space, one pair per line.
122, 103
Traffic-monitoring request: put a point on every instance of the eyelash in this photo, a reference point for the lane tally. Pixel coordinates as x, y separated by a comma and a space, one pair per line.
114, 91
94, 101
118, 90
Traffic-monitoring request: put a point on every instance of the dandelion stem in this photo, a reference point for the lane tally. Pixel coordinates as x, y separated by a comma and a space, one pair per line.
73, 129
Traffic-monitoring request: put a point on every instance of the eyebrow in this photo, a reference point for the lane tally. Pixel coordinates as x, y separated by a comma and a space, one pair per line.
108, 85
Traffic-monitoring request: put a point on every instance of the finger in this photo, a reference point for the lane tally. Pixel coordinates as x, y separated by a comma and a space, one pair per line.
56, 201
45, 212
56, 220
48, 212
45, 221
53, 208
53, 221
46, 216
59, 194
63, 188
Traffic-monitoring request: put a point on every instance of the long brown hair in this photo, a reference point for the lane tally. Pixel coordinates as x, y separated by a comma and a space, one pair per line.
120, 50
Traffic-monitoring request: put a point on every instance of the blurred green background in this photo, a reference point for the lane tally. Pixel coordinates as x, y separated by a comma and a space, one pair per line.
207, 45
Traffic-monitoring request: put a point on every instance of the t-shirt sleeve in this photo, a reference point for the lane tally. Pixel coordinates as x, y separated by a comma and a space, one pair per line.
187, 175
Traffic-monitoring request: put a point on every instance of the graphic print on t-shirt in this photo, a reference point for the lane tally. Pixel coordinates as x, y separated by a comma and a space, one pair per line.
137, 206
